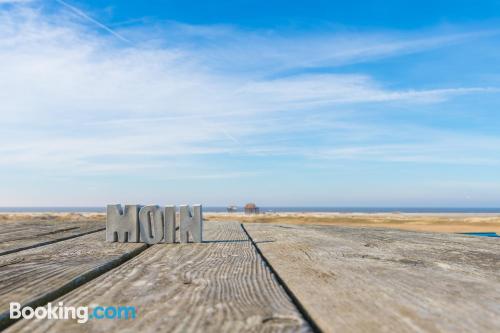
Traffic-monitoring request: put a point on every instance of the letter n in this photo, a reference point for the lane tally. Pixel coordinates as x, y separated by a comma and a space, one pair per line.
191, 225
122, 226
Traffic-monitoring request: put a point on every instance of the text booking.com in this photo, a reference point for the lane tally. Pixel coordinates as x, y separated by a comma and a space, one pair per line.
82, 314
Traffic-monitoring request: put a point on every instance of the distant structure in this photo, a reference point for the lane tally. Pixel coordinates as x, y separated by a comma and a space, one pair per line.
251, 208
232, 209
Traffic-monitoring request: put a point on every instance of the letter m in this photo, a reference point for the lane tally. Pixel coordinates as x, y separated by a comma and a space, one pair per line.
191, 225
122, 226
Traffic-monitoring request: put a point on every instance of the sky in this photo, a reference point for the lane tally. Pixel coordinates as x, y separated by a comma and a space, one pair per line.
282, 103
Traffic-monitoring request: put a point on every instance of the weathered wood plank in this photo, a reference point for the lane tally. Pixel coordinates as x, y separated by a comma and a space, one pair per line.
379, 280
21, 235
17, 228
35, 276
220, 285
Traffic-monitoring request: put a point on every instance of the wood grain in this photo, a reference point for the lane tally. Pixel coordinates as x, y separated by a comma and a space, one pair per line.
35, 276
21, 235
220, 285
379, 280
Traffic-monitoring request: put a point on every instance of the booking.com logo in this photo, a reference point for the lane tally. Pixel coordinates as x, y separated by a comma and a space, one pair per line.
81, 313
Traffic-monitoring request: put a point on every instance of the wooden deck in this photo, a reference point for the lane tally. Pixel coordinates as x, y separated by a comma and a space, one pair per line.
255, 278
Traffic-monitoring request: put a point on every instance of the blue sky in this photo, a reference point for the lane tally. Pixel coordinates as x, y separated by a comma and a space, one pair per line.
317, 103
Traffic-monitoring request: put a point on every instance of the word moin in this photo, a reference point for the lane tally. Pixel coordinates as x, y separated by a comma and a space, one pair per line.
153, 224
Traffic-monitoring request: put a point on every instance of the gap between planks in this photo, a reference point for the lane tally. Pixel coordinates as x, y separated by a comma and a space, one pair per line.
43, 299
380, 280
288, 290
28, 276
28, 247
16, 236
220, 285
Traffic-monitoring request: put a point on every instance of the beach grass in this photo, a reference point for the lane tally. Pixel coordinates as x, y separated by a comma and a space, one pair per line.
417, 222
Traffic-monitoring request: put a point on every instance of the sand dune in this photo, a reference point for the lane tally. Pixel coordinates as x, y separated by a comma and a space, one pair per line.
52, 217
417, 222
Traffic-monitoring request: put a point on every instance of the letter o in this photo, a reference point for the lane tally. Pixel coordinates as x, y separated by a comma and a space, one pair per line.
25, 311
40, 312
113, 312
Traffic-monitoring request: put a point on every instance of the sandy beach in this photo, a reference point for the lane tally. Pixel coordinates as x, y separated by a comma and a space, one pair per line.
418, 222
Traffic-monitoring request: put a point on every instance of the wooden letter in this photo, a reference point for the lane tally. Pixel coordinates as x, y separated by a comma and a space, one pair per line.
122, 226
191, 226
151, 224
169, 219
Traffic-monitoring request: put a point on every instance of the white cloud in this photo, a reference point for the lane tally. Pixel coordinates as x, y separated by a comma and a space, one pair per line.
86, 17
74, 99
267, 52
339, 89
